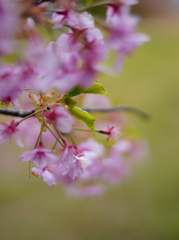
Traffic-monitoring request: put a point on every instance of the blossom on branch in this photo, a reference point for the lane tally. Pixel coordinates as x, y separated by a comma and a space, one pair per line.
74, 162
40, 157
46, 173
6, 132
58, 71
61, 118
123, 37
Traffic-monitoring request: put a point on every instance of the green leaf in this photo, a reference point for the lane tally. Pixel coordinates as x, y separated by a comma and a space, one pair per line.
76, 91
68, 101
84, 116
96, 88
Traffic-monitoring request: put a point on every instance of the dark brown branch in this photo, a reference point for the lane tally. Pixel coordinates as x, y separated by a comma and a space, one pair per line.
16, 113
24, 113
130, 109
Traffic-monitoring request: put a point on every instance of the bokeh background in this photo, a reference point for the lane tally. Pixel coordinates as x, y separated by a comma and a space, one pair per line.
146, 205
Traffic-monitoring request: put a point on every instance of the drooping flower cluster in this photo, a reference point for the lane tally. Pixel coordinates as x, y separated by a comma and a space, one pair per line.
60, 78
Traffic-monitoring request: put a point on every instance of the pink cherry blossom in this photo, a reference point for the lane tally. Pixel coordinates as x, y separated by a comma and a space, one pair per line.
9, 27
92, 149
46, 173
122, 30
40, 157
135, 149
10, 93
6, 132
12, 81
64, 179
67, 157
80, 164
74, 162
62, 69
68, 16
61, 118
85, 20
87, 44
113, 171
111, 132
118, 8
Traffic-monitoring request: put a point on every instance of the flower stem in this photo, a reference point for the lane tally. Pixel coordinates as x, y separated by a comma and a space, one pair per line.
54, 135
29, 170
86, 130
60, 135
29, 116
40, 134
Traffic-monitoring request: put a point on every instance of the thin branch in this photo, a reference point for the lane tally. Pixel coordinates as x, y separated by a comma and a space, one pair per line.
93, 5
24, 113
130, 109
80, 8
54, 135
16, 113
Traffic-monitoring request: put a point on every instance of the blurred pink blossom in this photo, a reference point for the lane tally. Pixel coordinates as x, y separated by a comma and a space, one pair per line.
46, 173
6, 132
61, 118
40, 157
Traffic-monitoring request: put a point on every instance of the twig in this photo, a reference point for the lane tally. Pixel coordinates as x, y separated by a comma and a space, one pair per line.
24, 113
120, 109
93, 5
16, 113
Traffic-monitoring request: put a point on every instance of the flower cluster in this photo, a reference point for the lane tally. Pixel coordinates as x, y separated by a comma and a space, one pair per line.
55, 82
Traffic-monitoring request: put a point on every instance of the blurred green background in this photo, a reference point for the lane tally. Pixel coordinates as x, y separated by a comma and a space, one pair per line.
146, 205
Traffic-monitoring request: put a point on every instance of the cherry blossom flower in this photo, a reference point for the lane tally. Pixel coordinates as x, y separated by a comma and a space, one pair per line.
10, 93
7, 29
125, 149
87, 45
62, 69
6, 132
118, 8
74, 162
67, 15
46, 173
64, 179
61, 118
72, 18
12, 81
67, 157
80, 164
111, 132
92, 150
122, 30
40, 157
113, 171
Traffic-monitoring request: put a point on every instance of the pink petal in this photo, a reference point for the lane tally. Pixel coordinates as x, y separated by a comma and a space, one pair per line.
49, 178
18, 140
27, 156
